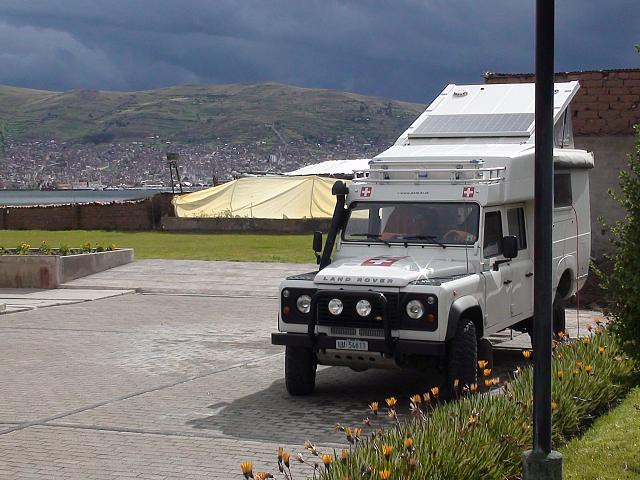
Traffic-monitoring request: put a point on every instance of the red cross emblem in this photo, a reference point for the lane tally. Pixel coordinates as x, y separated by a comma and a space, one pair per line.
468, 192
381, 261
365, 191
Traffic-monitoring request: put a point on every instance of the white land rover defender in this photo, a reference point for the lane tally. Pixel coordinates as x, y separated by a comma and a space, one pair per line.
430, 250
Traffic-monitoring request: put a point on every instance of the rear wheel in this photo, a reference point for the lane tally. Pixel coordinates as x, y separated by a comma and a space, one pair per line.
462, 356
300, 370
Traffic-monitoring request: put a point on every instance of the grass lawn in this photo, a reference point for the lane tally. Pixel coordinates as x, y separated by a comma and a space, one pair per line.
190, 246
610, 449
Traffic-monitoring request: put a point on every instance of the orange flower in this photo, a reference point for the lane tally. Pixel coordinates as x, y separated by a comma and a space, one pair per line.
247, 469
586, 340
387, 450
373, 406
326, 459
435, 391
344, 454
486, 372
487, 382
554, 406
286, 458
280, 452
527, 354
416, 399
357, 432
391, 402
263, 476
426, 397
473, 387
384, 474
560, 374
588, 368
579, 364
483, 364
408, 443
601, 349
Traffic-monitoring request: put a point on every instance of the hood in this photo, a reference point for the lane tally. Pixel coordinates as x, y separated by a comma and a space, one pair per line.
388, 271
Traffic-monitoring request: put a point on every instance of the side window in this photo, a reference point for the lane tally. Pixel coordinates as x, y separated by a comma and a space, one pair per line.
562, 190
515, 222
492, 246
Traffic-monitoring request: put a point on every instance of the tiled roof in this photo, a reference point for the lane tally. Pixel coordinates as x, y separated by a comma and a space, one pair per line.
608, 102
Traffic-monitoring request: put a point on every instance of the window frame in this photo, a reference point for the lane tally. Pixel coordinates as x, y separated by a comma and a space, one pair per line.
484, 234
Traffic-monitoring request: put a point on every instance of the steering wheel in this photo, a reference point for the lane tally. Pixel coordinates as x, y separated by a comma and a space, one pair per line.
454, 235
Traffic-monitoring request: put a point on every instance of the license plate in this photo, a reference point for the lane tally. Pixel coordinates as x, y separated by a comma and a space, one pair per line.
352, 344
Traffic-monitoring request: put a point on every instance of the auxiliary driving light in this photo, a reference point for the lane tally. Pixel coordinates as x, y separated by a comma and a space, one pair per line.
363, 307
335, 306
304, 303
415, 309
431, 300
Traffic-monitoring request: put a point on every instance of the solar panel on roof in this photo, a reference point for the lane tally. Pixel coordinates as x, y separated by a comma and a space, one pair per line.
475, 125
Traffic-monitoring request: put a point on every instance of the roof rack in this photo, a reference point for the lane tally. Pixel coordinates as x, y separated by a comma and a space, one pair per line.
459, 173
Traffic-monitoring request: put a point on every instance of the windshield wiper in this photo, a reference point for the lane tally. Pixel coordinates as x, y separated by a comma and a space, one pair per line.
433, 238
375, 236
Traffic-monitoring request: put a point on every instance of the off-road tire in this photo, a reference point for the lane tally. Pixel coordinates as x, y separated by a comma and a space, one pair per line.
462, 356
300, 370
559, 322
485, 351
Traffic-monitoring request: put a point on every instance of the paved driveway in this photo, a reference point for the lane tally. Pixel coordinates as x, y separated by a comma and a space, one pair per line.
166, 384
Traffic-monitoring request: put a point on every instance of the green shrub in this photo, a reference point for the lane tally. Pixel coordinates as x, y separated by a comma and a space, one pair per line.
64, 250
44, 249
23, 249
481, 436
621, 284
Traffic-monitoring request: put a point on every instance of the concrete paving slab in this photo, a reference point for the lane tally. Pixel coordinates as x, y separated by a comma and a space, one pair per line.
18, 300
195, 277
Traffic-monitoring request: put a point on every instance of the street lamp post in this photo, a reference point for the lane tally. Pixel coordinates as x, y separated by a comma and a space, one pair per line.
542, 463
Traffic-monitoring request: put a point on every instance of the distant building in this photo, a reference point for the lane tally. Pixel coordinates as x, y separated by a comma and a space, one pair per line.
604, 112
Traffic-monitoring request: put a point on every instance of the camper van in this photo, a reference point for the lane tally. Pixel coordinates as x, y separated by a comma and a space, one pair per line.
430, 250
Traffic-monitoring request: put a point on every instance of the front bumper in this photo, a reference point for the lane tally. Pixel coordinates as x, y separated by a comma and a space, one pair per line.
406, 347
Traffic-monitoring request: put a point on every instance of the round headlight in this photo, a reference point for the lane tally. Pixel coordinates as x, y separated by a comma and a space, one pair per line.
304, 303
285, 293
335, 306
363, 307
431, 300
415, 309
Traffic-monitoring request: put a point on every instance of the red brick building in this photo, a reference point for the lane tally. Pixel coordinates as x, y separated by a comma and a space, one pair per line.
604, 112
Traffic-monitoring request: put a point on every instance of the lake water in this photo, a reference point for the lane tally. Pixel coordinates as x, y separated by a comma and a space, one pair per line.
55, 197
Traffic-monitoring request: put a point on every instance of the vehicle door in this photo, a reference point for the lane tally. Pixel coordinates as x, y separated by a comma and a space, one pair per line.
521, 266
497, 281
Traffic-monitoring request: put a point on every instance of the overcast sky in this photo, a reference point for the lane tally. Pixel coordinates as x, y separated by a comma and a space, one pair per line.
404, 49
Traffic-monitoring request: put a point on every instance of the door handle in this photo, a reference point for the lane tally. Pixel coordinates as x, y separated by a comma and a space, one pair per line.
506, 282
529, 274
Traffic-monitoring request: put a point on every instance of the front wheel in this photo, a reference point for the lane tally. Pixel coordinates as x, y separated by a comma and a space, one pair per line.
300, 370
462, 356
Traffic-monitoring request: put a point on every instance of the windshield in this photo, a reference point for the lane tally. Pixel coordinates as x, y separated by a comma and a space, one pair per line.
426, 222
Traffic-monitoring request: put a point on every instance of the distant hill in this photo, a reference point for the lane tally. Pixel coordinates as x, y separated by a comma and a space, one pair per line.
186, 114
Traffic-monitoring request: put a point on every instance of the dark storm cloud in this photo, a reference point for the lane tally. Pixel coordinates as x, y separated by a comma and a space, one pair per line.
404, 49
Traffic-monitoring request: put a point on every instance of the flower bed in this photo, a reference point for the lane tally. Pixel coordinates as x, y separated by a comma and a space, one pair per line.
49, 267
478, 436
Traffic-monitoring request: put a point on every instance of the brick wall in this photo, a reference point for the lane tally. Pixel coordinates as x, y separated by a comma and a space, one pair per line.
134, 215
608, 102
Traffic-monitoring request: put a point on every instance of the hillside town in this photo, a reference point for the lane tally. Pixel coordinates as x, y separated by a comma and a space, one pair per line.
142, 164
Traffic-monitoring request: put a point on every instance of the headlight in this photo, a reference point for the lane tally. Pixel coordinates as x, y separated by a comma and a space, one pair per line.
286, 293
431, 300
363, 307
415, 309
335, 306
304, 303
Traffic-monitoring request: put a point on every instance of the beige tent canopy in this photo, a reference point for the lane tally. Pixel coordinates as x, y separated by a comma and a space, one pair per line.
262, 197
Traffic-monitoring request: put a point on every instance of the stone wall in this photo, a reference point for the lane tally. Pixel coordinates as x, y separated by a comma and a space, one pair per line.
131, 215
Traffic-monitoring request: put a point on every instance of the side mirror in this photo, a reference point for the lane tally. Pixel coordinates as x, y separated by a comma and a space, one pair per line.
510, 246
317, 244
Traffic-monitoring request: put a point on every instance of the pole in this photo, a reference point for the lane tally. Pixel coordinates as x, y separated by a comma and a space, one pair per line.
542, 463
